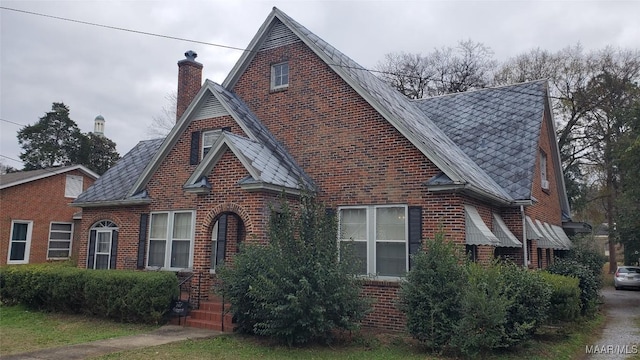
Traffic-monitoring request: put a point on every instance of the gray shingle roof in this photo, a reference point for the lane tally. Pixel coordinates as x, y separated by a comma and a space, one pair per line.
498, 128
114, 185
278, 154
400, 111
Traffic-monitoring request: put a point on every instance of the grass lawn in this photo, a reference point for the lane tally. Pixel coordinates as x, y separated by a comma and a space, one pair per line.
24, 330
550, 343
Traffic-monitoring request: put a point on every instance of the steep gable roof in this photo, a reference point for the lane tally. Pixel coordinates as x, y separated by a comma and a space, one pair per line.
22, 177
114, 185
264, 166
231, 104
498, 128
403, 114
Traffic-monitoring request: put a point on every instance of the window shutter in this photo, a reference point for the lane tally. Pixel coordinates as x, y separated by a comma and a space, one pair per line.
142, 239
114, 249
92, 249
415, 231
222, 239
194, 155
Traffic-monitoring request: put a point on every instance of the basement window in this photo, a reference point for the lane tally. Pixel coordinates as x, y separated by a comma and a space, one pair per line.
279, 76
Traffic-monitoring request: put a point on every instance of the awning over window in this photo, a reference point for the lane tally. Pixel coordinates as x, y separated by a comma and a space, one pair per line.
532, 230
561, 236
546, 241
477, 232
502, 232
554, 237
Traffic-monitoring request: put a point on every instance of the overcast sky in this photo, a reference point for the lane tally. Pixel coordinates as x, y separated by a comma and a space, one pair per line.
125, 77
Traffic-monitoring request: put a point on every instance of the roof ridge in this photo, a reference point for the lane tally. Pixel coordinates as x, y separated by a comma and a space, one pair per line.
472, 91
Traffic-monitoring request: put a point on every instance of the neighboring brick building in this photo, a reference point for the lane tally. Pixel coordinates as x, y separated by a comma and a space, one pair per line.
296, 115
37, 223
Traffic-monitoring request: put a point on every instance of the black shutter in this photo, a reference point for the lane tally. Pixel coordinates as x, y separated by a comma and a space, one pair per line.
92, 249
114, 249
142, 239
222, 239
415, 230
194, 155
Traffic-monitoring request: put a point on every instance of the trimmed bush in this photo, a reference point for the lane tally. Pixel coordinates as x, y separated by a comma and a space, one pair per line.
431, 296
565, 297
130, 296
531, 296
297, 288
588, 282
485, 304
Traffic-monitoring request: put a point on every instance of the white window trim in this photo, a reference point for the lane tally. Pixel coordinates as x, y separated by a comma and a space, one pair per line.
70, 240
273, 76
544, 178
214, 239
69, 191
169, 239
203, 147
27, 248
371, 240
108, 253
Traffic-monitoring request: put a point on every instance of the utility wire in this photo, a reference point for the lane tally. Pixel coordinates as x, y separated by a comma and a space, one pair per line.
12, 122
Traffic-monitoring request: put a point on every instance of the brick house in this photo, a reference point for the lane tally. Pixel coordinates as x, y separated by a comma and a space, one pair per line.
295, 114
36, 222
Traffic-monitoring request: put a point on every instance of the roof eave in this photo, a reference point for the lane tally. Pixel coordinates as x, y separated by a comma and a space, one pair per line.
49, 173
278, 189
126, 202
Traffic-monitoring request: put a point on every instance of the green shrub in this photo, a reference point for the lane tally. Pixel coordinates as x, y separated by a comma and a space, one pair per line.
588, 282
531, 297
584, 254
431, 296
294, 289
565, 297
485, 304
121, 295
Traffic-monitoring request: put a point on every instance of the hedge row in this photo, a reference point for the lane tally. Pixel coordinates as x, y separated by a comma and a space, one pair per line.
121, 295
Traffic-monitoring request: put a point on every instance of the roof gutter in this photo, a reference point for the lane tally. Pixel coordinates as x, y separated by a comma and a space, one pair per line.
473, 191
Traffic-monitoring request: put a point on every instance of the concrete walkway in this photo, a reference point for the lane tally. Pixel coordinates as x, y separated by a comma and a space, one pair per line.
164, 335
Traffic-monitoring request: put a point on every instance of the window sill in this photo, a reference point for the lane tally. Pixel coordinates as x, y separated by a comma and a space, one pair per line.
157, 268
381, 280
278, 89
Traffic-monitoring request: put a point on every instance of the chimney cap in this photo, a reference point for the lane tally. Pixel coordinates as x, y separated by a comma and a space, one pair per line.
191, 55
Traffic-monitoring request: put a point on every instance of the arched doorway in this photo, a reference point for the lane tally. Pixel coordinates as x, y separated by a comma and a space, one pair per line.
227, 233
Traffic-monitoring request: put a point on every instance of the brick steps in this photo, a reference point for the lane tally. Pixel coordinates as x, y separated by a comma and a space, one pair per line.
210, 316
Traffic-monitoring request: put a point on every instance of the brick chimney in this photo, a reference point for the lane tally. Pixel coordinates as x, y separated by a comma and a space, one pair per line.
189, 81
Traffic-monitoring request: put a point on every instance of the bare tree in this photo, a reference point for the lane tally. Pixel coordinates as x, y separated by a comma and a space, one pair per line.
469, 65
162, 124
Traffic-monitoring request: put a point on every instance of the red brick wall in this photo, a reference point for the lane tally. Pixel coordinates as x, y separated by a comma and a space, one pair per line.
41, 201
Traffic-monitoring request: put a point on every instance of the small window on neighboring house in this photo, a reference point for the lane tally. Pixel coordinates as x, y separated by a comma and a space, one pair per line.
543, 171
279, 76
73, 187
20, 242
208, 138
60, 235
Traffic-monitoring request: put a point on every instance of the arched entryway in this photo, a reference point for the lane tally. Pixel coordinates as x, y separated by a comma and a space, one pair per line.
227, 233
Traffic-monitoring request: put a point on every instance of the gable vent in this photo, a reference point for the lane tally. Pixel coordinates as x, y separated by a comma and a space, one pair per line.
210, 109
279, 35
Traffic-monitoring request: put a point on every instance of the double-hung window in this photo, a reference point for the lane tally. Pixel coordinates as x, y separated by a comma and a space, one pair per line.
171, 239
208, 138
378, 237
60, 235
544, 180
20, 242
279, 76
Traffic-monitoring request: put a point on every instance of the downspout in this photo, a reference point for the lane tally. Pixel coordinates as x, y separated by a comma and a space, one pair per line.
524, 237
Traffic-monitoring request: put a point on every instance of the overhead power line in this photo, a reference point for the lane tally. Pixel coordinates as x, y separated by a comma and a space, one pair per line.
120, 28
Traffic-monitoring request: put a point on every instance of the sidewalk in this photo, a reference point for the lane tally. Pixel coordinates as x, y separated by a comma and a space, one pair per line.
164, 335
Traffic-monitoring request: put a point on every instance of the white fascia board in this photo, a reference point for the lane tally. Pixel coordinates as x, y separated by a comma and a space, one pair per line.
51, 172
